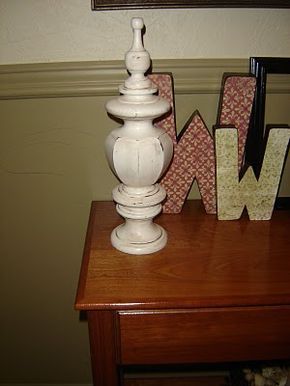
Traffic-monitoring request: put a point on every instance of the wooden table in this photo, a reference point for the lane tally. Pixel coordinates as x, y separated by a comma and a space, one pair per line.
219, 291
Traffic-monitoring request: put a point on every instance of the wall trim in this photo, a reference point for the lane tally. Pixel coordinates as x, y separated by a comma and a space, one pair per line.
74, 79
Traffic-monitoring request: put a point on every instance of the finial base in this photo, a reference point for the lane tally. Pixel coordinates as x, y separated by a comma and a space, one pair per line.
138, 247
139, 234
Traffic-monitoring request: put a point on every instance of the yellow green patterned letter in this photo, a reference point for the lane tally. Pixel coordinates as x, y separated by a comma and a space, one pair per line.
258, 196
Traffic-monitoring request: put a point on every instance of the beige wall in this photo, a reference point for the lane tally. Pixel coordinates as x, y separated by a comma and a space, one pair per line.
67, 30
52, 164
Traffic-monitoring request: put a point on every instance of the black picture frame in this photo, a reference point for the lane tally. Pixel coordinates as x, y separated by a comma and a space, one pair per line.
105, 5
260, 67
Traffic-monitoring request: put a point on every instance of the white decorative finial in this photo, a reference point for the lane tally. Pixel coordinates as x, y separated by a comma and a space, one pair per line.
137, 26
137, 59
138, 153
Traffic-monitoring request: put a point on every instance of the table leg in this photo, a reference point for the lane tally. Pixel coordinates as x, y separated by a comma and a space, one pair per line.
102, 330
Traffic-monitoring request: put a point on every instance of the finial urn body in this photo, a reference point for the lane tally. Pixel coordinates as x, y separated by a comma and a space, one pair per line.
138, 153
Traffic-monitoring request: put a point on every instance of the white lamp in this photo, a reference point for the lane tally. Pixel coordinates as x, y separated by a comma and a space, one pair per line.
138, 154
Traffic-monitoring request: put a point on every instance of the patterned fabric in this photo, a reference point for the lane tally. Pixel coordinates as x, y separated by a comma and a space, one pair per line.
164, 83
268, 376
194, 155
237, 101
234, 193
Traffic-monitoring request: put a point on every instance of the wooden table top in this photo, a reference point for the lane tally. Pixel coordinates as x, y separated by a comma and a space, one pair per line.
206, 263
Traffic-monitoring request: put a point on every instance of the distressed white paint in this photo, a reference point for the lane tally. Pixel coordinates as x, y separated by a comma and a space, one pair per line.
138, 153
67, 30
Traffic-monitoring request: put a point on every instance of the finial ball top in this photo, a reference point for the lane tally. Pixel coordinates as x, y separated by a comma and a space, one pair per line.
137, 23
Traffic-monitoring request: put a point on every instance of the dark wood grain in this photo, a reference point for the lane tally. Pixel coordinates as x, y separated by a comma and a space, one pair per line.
207, 263
219, 291
205, 335
104, 348
98, 5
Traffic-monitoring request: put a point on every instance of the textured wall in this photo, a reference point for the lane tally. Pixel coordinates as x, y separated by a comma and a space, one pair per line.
67, 30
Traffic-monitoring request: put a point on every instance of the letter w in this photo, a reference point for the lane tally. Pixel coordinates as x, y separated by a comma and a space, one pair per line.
258, 196
194, 154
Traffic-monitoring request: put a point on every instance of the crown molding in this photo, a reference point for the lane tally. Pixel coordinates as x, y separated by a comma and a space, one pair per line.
75, 79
